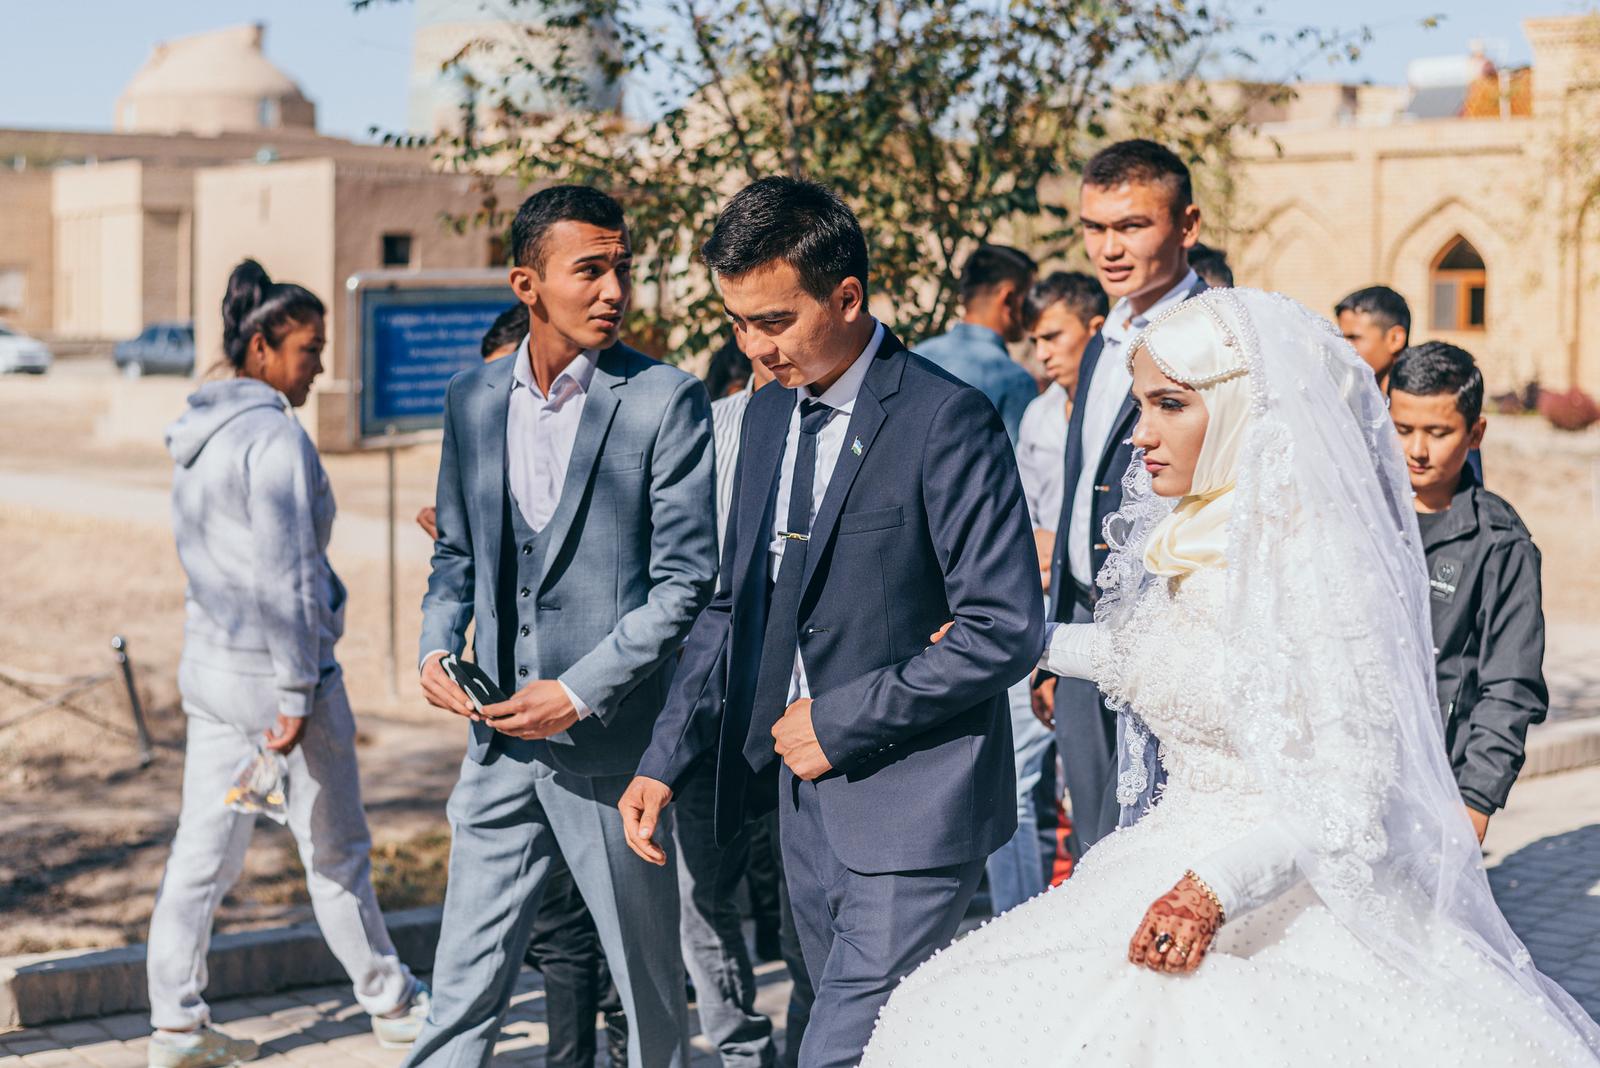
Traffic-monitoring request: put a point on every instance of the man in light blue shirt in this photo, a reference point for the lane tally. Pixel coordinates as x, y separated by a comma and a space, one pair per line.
994, 282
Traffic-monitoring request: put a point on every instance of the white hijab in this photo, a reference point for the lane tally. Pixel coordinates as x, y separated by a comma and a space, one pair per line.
1195, 345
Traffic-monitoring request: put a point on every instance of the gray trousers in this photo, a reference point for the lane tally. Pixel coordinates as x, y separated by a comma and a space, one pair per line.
861, 933
208, 851
713, 934
506, 817
1086, 739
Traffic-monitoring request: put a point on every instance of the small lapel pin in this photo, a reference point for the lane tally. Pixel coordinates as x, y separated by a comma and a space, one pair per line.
855, 447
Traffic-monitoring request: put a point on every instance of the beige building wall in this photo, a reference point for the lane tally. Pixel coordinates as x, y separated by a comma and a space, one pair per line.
1327, 207
317, 222
121, 248
27, 250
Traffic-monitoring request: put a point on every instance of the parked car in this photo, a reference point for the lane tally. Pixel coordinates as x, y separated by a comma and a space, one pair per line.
163, 348
19, 352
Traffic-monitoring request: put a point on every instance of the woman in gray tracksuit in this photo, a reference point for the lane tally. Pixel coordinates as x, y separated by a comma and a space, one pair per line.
252, 512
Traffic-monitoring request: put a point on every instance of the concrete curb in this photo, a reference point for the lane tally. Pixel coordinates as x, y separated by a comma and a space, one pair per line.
51, 987
1563, 745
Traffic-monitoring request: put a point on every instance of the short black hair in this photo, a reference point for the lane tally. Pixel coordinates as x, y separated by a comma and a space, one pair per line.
1211, 264
992, 264
1436, 367
1385, 306
1144, 161
509, 328
559, 203
729, 365
801, 223
1080, 292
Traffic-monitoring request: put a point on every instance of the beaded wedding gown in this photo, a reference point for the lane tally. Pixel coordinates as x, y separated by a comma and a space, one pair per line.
1049, 983
1267, 639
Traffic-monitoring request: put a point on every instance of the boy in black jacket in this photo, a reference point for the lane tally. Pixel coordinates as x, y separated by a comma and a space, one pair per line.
1483, 570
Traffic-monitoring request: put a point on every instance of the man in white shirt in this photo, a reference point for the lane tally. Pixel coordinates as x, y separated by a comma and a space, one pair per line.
1139, 221
576, 518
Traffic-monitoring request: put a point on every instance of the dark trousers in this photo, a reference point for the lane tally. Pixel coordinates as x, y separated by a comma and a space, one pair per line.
712, 930
1086, 738
565, 948
861, 934
801, 994
761, 879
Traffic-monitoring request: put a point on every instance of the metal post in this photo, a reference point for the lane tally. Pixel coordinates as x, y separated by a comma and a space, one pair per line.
391, 661
119, 649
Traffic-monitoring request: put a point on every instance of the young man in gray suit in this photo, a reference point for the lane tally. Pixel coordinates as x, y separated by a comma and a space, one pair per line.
875, 498
577, 528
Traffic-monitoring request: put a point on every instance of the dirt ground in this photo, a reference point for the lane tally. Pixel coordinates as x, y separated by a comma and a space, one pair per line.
86, 552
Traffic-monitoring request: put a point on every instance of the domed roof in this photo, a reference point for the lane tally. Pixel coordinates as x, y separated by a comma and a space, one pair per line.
212, 83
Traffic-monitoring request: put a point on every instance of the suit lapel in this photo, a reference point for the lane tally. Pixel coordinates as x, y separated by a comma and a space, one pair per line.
599, 408
761, 459
487, 412
1074, 457
882, 382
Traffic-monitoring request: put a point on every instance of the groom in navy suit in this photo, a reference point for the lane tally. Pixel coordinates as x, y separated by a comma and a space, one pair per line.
875, 498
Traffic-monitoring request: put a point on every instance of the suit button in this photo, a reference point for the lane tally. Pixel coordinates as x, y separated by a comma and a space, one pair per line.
523, 592
524, 632
527, 550
522, 673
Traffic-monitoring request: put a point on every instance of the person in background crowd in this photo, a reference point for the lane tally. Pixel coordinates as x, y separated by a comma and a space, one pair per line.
581, 563
1063, 311
1211, 264
776, 938
1377, 323
709, 874
1483, 574
994, 284
728, 374
252, 512
1139, 222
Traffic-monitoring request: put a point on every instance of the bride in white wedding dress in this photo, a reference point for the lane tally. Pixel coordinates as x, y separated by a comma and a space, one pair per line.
1306, 888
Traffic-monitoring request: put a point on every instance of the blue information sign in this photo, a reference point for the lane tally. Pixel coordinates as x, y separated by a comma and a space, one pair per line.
413, 341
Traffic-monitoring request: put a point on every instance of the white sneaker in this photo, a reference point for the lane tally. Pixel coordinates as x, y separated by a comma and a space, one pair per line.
204, 1047
399, 1032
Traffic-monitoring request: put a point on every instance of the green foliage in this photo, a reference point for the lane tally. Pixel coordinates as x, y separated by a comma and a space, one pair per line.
944, 123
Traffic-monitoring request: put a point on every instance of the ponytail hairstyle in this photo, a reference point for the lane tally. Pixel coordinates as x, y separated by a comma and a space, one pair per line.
255, 304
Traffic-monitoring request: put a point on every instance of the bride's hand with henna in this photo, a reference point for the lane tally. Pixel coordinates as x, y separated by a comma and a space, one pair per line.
1177, 930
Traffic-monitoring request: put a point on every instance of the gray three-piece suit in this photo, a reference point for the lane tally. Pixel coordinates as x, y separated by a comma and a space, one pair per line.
600, 598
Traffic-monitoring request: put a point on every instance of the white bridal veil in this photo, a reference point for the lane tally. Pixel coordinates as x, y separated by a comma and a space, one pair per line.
1329, 648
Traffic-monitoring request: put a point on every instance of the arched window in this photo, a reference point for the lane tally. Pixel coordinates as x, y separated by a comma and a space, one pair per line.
1460, 287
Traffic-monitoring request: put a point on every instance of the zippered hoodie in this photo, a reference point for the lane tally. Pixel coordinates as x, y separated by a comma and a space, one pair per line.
252, 512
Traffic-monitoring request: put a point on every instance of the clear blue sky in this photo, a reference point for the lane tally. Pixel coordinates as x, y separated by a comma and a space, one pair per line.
62, 63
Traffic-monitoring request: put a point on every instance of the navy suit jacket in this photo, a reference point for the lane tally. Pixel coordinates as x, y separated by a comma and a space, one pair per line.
921, 524
1107, 495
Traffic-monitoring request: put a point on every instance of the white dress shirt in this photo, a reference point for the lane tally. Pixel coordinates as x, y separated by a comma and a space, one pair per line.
727, 422
540, 432
841, 397
1108, 388
1041, 443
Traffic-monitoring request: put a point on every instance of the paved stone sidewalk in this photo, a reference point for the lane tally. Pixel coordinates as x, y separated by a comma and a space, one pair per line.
1544, 852
323, 1026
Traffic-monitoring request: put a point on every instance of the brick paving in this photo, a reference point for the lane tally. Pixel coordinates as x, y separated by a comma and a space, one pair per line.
1544, 852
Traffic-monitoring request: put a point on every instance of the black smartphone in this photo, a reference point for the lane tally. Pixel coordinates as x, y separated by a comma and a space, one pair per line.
479, 688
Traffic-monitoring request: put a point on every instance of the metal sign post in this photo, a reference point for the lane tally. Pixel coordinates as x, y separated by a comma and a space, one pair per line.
412, 332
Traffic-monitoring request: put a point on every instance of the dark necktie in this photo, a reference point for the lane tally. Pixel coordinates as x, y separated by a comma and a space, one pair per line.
782, 640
